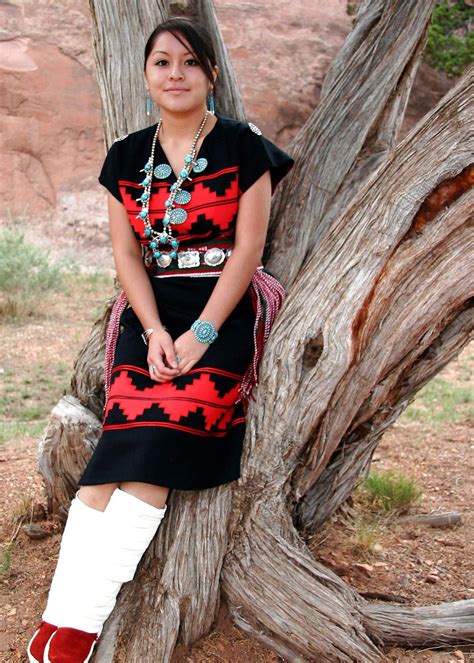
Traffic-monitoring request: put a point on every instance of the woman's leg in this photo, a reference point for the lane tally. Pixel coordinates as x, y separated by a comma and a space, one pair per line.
78, 553
125, 529
147, 492
79, 546
129, 524
97, 497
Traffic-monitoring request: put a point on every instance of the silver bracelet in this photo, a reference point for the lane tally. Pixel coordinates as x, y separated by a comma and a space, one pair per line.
148, 332
146, 335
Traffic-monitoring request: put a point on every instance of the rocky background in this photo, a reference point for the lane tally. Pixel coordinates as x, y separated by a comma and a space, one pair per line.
52, 147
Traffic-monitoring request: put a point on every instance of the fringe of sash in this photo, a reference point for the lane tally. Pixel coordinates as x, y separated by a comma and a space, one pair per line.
268, 295
111, 337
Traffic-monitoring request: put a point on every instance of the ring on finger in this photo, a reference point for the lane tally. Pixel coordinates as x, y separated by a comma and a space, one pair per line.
152, 368
178, 359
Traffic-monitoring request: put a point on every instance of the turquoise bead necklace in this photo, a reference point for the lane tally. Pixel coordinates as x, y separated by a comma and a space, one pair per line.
164, 239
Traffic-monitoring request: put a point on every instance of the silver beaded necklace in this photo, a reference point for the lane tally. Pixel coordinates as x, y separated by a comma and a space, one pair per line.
159, 240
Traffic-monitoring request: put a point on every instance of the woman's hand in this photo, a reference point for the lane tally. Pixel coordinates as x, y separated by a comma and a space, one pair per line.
161, 358
188, 350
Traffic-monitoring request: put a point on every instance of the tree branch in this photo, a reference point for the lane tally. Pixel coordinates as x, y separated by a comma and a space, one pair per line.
443, 624
285, 599
364, 99
373, 297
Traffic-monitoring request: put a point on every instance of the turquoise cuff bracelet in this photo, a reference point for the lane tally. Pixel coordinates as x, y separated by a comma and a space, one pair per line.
204, 331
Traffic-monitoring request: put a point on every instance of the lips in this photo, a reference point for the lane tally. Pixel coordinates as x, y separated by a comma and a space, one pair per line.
176, 89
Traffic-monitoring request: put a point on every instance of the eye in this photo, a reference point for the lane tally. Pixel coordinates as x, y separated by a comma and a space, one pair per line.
193, 60
160, 61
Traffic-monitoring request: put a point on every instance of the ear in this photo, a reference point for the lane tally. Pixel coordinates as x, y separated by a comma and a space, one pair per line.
216, 72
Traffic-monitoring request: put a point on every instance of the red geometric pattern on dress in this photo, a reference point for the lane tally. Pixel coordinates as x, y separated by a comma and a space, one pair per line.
201, 369
180, 427
176, 403
203, 198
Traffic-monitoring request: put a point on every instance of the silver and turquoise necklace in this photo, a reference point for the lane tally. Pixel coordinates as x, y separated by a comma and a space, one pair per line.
163, 244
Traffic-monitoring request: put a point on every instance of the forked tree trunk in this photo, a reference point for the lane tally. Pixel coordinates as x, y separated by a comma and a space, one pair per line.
372, 242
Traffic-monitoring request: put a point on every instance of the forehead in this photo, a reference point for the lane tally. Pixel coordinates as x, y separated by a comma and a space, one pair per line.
168, 43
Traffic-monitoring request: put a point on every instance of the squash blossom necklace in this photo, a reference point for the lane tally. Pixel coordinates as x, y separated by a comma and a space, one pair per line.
164, 239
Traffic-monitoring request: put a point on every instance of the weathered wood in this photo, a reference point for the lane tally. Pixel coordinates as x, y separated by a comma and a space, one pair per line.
87, 382
375, 309
229, 97
64, 449
446, 623
393, 273
447, 519
353, 126
272, 582
379, 328
343, 470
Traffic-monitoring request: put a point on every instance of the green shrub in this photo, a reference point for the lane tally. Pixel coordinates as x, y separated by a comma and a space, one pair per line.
26, 275
391, 491
450, 44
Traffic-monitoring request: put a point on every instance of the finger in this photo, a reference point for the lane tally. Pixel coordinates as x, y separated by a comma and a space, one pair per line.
186, 365
156, 376
159, 372
154, 370
170, 353
162, 368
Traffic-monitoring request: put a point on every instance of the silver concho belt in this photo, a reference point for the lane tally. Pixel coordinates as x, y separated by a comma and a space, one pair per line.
195, 258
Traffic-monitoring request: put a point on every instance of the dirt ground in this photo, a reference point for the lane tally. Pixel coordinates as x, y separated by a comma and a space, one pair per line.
418, 563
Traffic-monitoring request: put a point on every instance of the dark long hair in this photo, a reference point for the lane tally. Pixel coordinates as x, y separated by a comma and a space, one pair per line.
197, 37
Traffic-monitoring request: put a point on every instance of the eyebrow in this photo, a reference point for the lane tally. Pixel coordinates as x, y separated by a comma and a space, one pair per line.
168, 53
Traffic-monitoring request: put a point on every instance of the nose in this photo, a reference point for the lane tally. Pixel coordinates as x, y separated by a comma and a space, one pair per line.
175, 72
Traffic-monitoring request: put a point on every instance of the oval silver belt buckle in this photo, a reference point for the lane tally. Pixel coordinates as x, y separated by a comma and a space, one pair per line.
214, 257
164, 260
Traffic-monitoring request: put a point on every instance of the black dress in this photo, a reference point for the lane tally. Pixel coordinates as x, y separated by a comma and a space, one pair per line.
186, 433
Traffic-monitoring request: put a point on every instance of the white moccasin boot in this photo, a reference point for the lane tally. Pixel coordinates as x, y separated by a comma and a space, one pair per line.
128, 526
80, 546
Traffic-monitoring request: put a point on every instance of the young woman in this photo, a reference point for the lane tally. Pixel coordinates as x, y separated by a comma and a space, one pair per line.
189, 202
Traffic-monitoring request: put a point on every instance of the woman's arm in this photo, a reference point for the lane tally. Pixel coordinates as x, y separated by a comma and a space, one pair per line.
136, 284
251, 230
250, 234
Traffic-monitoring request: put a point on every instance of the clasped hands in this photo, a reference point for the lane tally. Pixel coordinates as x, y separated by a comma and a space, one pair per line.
167, 360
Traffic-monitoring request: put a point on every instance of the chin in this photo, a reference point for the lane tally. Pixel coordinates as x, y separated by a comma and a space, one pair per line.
181, 107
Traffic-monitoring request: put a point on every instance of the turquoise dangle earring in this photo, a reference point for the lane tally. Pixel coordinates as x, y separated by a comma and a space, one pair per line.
211, 104
148, 104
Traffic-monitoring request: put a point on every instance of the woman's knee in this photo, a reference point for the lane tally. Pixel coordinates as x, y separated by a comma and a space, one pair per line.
147, 492
97, 497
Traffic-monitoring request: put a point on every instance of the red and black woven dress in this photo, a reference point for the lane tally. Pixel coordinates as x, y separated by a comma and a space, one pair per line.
186, 433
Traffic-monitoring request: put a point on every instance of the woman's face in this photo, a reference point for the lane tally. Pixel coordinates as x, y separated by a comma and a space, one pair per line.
174, 77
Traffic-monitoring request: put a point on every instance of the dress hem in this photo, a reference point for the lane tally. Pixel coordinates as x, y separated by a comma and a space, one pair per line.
164, 483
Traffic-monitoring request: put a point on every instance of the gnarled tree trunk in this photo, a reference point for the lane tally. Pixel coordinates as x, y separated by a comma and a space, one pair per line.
372, 243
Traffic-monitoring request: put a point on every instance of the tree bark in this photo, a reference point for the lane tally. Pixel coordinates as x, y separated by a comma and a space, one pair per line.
351, 130
372, 242
67, 443
446, 519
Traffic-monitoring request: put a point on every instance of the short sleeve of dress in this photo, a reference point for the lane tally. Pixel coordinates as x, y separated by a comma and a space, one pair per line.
256, 155
109, 175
